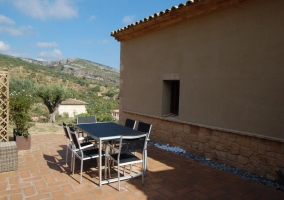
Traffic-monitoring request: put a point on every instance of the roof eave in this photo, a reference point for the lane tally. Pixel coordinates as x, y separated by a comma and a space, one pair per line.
172, 16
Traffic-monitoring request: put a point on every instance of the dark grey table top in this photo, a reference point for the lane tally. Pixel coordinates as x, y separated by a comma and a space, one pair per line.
106, 130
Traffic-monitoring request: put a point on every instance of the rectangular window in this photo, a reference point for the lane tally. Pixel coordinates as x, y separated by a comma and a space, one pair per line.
170, 106
174, 97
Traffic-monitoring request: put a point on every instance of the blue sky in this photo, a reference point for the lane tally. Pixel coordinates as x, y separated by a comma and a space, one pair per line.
59, 29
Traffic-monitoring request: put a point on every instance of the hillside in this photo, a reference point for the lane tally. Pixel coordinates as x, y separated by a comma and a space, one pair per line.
88, 81
81, 68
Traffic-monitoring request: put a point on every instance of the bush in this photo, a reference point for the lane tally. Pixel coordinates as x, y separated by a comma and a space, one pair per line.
20, 104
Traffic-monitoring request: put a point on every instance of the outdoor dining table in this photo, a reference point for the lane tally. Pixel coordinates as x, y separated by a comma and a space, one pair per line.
105, 131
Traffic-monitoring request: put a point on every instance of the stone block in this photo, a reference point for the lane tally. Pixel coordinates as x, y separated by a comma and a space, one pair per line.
248, 141
216, 155
235, 149
246, 152
243, 160
282, 148
276, 147
212, 145
279, 159
270, 154
224, 141
194, 130
241, 140
214, 138
186, 128
221, 147
206, 148
232, 137
261, 149
232, 157
223, 155
263, 160
201, 137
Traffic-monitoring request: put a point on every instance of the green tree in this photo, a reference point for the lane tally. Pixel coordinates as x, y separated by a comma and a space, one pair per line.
52, 96
20, 84
102, 109
110, 93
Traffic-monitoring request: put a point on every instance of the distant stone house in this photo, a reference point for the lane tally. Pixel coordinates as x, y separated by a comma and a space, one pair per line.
209, 76
72, 107
115, 114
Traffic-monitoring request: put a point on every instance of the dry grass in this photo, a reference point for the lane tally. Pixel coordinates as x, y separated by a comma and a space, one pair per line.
42, 128
46, 128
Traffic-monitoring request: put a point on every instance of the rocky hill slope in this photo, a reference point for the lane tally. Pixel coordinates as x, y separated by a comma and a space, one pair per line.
81, 68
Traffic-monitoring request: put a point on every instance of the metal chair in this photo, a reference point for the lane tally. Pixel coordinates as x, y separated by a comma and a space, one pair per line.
69, 145
82, 152
123, 154
130, 123
86, 120
146, 128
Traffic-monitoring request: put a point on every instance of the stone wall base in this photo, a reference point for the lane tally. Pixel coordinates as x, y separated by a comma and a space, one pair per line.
259, 156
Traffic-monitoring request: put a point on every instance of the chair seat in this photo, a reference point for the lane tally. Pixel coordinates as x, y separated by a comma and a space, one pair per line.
87, 154
126, 158
86, 144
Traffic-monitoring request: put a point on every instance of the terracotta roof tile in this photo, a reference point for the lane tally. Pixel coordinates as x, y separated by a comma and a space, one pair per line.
73, 102
173, 15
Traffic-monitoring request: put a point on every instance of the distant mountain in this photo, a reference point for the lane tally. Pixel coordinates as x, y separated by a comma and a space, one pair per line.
81, 68
77, 67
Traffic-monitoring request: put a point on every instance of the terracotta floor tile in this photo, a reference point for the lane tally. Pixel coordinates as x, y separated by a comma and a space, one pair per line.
3, 186
68, 188
167, 193
16, 197
40, 184
77, 194
87, 197
183, 190
10, 192
13, 179
49, 189
199, 195
42, 174
19, 185
29, 191
58, 195
39, 197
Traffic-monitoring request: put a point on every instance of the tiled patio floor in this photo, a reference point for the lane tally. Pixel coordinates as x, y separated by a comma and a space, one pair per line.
42, 174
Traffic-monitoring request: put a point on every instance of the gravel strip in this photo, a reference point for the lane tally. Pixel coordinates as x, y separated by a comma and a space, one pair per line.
232, 170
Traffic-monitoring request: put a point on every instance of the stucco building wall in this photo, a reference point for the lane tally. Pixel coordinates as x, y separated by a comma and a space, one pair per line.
230, 67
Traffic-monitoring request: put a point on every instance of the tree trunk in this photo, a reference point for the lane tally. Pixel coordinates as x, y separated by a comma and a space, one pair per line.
52, 113
52, 117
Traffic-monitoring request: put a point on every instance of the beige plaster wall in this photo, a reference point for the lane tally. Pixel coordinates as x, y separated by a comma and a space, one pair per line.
230, 65
72, 109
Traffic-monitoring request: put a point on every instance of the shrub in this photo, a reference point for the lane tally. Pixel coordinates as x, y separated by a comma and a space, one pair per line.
20, 104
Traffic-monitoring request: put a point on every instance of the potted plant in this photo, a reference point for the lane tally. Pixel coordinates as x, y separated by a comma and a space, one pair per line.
19, 104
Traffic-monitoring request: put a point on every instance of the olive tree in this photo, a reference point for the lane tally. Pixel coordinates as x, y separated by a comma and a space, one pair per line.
52, 96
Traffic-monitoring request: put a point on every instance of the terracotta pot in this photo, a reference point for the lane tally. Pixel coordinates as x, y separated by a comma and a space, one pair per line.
22, 142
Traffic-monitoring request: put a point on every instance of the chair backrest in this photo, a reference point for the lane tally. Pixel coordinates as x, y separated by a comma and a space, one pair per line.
144, 127
75, 140
130, 123
132, 143
86, 120
65, 130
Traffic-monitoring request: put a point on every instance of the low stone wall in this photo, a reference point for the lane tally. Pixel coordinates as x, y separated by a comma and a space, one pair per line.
260, 156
